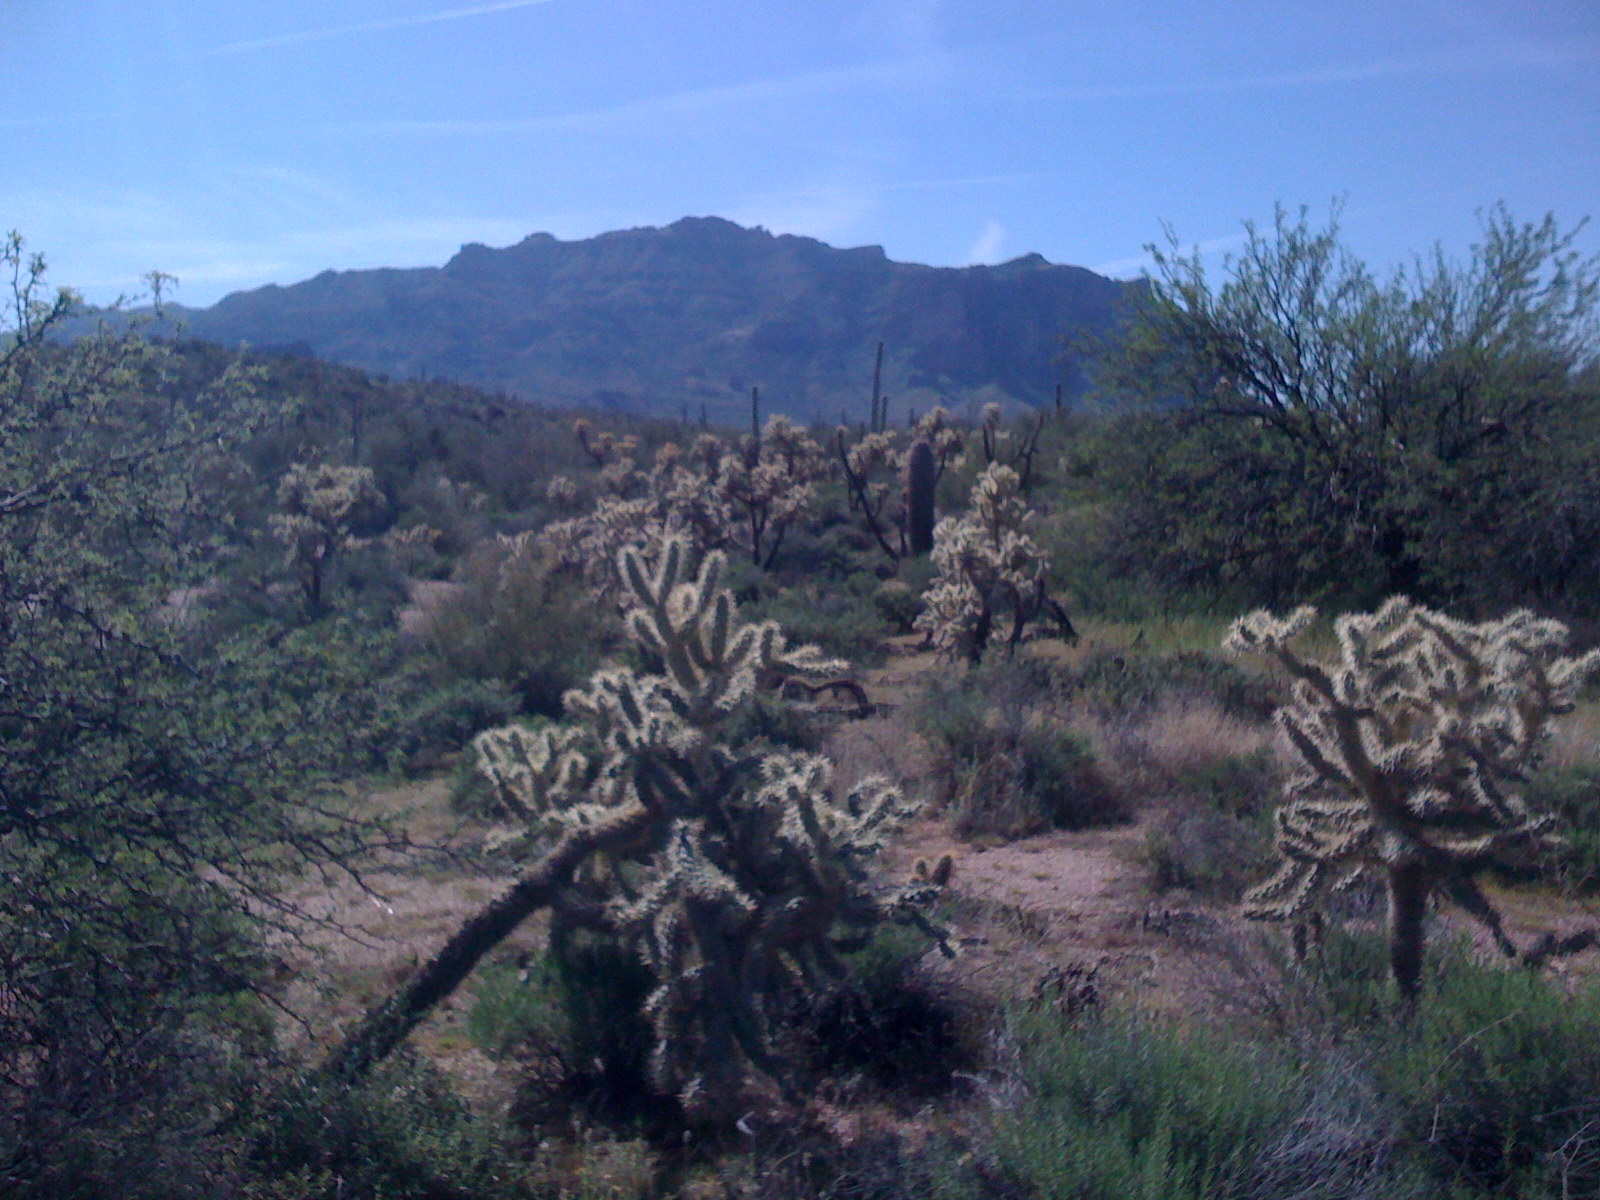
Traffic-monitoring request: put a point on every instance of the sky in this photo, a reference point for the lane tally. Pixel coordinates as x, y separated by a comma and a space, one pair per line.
235, 143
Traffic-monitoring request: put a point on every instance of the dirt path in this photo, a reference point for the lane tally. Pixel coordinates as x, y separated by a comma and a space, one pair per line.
1060, 905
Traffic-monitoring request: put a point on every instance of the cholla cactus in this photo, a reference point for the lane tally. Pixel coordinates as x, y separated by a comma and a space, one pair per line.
875, 464
561, 491
713, 494
949, 444
769, 483
743, 864
318, 505
865, 466
1411, 746
987, 565
681, 498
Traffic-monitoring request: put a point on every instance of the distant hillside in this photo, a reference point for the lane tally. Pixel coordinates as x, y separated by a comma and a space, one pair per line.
659, 320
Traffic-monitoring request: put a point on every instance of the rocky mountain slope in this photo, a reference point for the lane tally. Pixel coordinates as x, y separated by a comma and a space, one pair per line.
668, 320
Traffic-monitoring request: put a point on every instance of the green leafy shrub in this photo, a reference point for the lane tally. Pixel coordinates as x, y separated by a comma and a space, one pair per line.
400, 1135
518, 1003
572, 1016
887, 1024
840, 616
1573, 795
514, 617
1498, 1080
775, 722
1120, 1109
1010, 765
441, 720
1235, 784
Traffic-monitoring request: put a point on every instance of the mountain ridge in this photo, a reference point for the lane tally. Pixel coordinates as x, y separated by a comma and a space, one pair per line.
668, 319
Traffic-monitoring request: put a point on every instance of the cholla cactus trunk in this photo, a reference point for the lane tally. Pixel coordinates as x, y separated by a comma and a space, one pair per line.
1409, 887
921, 475
1411, 744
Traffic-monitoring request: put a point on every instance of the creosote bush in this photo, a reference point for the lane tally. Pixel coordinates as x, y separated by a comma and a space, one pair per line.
515, 618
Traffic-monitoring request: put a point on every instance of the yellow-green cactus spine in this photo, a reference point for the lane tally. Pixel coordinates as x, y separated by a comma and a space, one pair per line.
747, 863
1411, 745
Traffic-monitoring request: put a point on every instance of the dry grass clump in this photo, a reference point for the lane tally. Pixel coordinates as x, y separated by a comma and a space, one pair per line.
1009, 757
1186, 736
1178, 747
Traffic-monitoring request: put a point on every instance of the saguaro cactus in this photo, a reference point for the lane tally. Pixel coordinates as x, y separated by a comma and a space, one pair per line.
921, 474
1411, 744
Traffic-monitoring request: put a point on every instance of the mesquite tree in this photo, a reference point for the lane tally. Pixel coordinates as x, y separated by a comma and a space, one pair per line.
1411, 744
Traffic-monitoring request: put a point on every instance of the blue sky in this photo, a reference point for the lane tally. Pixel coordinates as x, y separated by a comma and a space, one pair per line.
234, 143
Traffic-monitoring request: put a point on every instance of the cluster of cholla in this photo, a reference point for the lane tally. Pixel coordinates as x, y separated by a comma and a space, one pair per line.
746, 863
769, 483
879, 473
717, 496
318, 504
1411, 745
988, 569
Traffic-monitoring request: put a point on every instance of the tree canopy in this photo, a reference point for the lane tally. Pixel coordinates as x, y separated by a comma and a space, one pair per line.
157, 773
1344, 435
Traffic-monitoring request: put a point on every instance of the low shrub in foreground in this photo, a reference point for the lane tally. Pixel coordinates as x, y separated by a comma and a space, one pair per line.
1498, 1081
1116, 1108
1009, 763
400, 1135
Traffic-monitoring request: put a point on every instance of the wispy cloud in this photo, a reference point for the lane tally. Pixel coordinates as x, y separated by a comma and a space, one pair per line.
1138, 264
653, 109
986, 249
838, 208
1451, 61
322, 35
820, 212
44, 122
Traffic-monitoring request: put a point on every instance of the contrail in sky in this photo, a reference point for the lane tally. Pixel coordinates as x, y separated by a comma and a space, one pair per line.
319, 35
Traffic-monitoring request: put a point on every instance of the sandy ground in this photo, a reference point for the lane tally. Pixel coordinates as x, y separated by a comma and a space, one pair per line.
1069, 915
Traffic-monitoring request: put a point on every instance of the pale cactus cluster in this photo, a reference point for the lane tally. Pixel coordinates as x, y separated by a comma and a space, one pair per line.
736, 498
893, 487
738, 866
1412, 743
317, 506
989, 568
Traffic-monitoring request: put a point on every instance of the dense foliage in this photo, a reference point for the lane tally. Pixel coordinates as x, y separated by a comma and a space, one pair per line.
1330, 434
